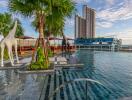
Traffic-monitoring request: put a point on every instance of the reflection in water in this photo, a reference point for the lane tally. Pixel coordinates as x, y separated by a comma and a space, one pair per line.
11, 84
2, 87
8, 76
20, 87
112, 69
87, 58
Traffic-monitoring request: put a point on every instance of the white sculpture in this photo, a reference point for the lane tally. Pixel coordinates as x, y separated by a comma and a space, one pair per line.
9, 41
1, 37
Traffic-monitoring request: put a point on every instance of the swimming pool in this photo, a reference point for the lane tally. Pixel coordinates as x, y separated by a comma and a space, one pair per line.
112, 69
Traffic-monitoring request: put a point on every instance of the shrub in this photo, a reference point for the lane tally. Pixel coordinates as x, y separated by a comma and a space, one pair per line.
40, 61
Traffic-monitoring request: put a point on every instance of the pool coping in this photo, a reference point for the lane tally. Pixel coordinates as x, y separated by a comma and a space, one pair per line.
48, 71
65, 66
17, 66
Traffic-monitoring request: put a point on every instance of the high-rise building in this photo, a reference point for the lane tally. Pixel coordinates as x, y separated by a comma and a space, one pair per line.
80, 27
85, 26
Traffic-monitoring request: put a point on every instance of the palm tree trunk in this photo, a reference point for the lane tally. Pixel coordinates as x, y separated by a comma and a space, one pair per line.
41, 36
35, 49
41, 41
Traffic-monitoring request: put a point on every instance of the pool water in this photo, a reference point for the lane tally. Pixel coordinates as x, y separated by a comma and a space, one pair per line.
112, 69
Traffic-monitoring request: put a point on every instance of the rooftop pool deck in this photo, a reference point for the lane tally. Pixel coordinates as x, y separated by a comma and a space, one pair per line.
112, 69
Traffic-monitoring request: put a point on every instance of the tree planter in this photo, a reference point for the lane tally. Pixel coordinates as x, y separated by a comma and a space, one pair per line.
49, 70
16, 66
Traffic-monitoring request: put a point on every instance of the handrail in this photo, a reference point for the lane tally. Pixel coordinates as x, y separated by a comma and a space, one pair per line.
75, 80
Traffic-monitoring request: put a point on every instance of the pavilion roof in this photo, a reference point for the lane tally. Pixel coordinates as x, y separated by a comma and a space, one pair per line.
25, 37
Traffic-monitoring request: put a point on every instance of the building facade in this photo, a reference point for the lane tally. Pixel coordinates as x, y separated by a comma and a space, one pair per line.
85, 26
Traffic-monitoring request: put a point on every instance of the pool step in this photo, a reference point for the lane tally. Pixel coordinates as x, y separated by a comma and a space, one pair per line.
72, 91
68, 92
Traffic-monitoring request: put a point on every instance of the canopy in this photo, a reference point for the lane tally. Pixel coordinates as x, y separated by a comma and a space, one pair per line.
25, 37
54, 38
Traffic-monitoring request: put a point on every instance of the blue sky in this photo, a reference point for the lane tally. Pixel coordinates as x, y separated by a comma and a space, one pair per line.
113, 17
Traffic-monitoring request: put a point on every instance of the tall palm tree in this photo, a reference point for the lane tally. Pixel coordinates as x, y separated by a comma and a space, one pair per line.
40, 9
55, 22
6, 24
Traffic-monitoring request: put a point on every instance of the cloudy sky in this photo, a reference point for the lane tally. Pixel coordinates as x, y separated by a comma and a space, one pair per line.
113, 18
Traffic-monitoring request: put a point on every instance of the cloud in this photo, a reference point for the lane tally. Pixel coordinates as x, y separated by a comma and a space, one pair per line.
110, 2
31, 33
125, 35
69, 22
70, 35
112, 14
104, 24
18, 16
4, 3
122, 11
69, 27
81, 1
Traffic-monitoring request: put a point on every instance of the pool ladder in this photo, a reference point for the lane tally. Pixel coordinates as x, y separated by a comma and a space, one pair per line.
73, 81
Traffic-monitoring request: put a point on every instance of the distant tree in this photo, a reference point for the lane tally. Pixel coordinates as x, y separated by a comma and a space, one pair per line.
6, 23
20, 30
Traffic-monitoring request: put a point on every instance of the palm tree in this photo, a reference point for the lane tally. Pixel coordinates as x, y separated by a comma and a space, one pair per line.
20, 29
40, 9
56, 21
6, 24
